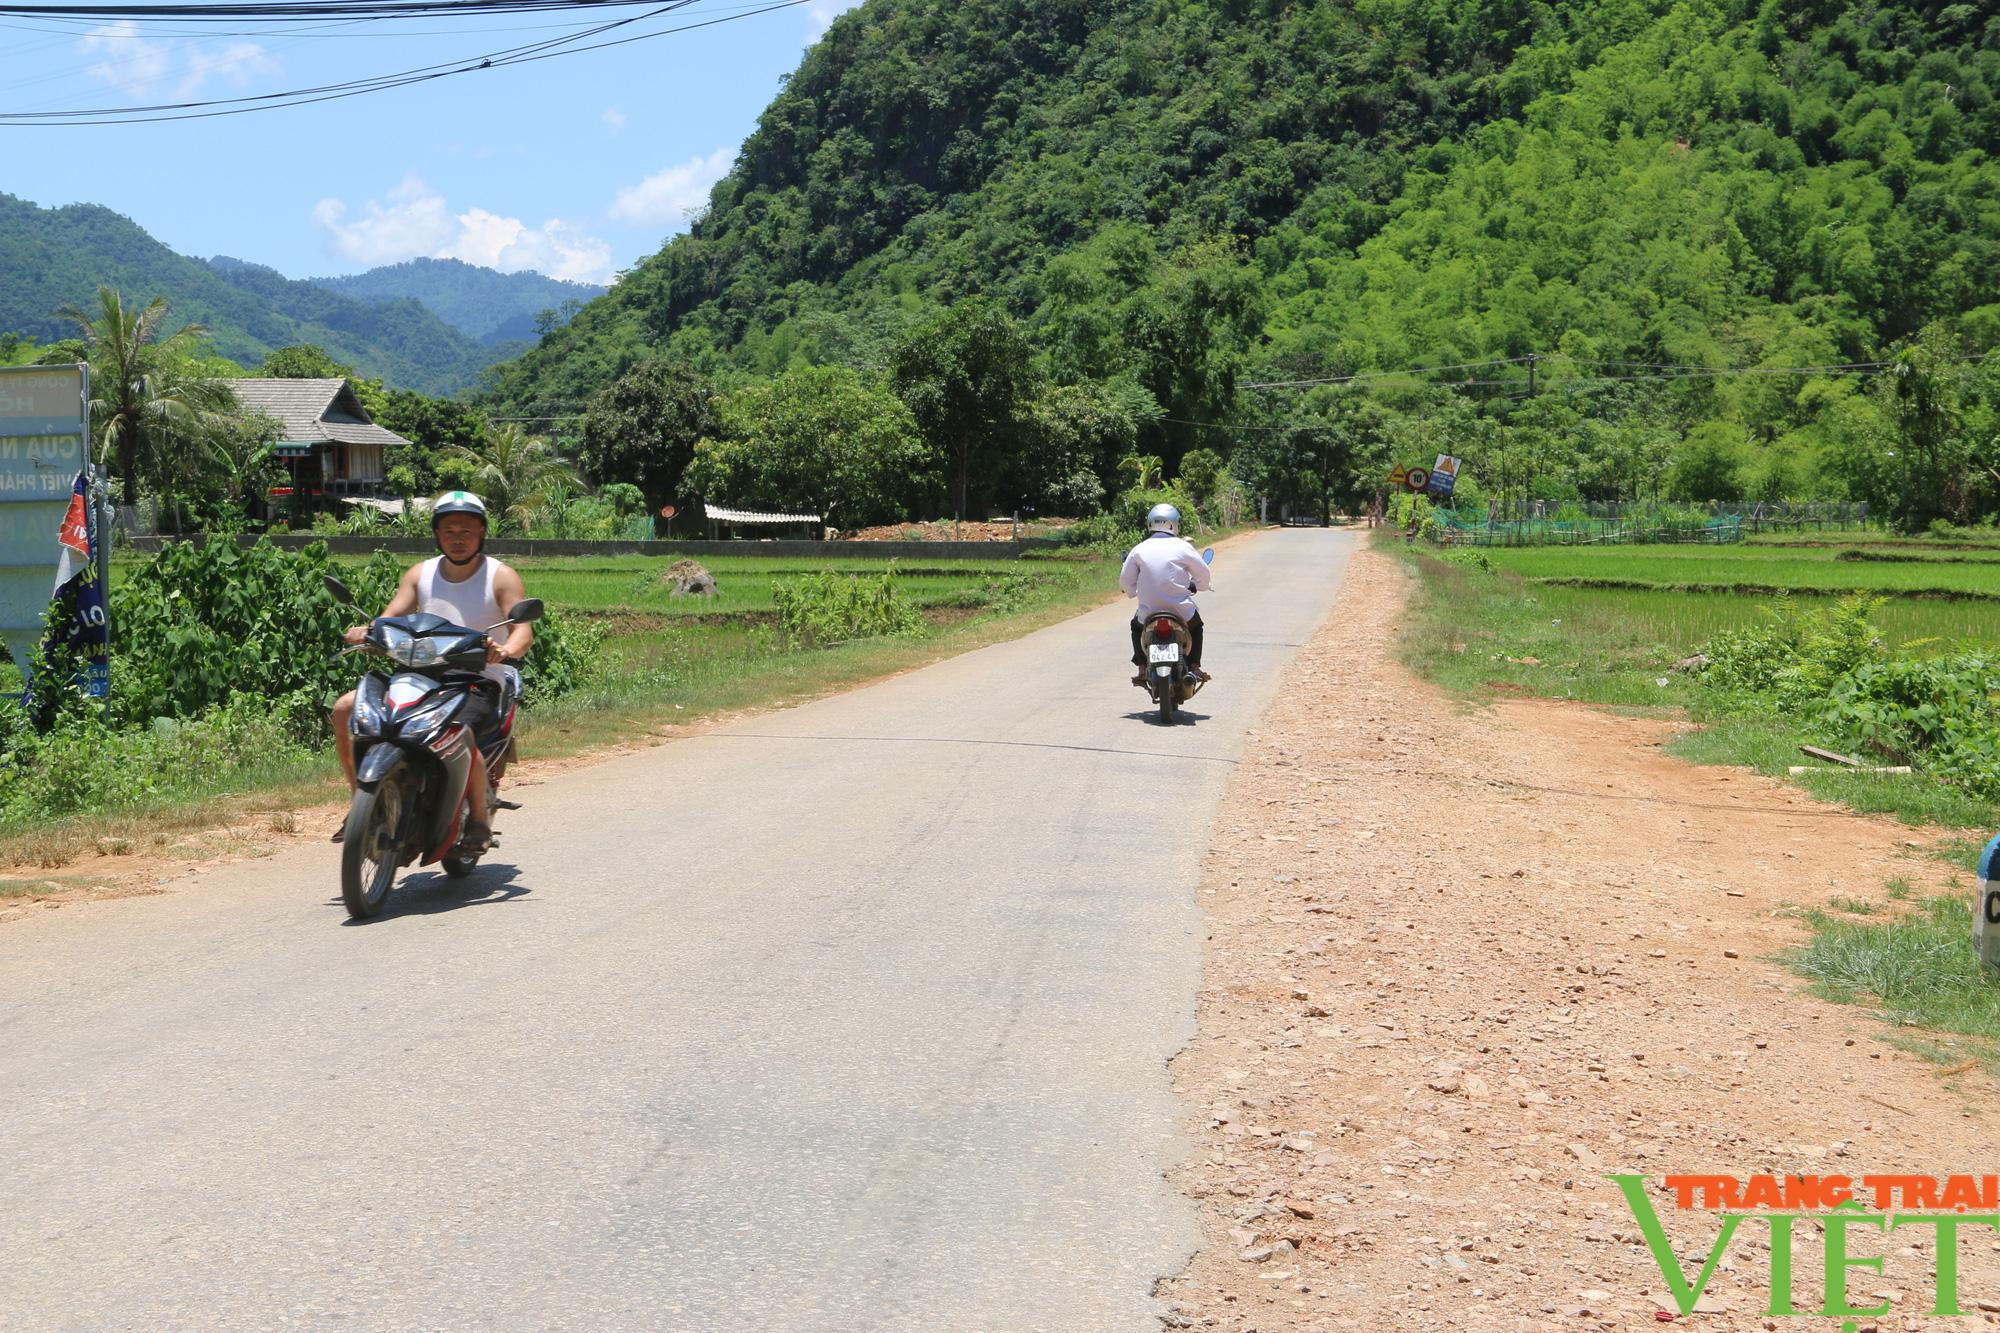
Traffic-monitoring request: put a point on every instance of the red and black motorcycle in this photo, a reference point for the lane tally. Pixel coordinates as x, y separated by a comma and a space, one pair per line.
1167, 643
412, 754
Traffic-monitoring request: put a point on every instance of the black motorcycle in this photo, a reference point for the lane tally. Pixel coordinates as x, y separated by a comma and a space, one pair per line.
1167, 643
412, 757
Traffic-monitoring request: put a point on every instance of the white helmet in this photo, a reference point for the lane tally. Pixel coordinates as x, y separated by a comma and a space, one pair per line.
1163, 518
457, 502
460, 502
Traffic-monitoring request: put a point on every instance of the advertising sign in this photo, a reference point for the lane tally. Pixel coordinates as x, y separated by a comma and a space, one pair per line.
1444, 475
44, 426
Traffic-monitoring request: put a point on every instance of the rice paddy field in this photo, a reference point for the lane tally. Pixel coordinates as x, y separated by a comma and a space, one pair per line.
1610, 625
722, 651
1607, 624
1681, 595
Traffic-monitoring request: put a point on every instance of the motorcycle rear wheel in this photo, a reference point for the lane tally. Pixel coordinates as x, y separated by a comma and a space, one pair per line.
1167, 689
368, 849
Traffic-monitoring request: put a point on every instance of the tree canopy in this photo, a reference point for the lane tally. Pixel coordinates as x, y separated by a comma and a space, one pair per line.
1679, 221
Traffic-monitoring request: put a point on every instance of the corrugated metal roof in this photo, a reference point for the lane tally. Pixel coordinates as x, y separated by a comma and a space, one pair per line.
311, 411
721, 515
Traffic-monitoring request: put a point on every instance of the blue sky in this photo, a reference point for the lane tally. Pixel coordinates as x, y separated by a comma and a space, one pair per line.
576, 167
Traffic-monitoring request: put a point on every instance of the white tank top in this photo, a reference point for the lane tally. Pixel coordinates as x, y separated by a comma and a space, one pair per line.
470, 603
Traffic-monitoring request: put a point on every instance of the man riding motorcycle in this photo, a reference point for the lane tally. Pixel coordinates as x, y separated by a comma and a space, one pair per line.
1164, 572
467, 587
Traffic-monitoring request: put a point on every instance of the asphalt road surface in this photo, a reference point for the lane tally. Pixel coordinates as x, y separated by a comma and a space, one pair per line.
852, 1016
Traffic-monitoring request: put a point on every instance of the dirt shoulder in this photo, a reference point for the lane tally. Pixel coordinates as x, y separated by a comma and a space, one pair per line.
1464, 964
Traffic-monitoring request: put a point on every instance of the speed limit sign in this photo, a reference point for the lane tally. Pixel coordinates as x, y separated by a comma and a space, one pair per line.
1419, 479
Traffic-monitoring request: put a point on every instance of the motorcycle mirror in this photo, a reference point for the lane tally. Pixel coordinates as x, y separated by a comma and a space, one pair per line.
339, 590
1208, 556
526, 612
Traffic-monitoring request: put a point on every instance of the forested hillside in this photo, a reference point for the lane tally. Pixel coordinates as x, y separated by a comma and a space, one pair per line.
51, 257
1176, 200
488, 305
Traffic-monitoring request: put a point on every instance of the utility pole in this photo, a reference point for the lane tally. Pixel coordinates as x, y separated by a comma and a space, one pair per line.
1533, 357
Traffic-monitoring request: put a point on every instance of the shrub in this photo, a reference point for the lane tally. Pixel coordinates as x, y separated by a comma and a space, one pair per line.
565, 657
1937, 713
84, 763
1789, 663
201, 624
826, 607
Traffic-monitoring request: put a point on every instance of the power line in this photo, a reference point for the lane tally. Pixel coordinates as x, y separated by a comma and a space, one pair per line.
520, 55
296, 9
1384, 374
1661, 371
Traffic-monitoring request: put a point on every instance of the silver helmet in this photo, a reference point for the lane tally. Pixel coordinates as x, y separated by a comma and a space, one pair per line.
1164, 518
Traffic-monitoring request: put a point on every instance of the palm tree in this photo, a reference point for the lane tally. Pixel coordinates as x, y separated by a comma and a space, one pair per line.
513, 469
146, 408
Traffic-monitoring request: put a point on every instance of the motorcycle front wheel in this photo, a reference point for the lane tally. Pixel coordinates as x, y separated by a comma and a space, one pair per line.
368, 848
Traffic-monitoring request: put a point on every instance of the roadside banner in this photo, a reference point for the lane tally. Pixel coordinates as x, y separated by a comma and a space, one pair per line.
1444, 475
79, 593
44, 426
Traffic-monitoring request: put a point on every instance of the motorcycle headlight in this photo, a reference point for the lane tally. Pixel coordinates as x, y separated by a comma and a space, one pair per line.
410, 650
367, 719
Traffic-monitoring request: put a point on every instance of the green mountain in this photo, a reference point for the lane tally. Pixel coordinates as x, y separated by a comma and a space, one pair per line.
1189, 195
50, 257
490, 306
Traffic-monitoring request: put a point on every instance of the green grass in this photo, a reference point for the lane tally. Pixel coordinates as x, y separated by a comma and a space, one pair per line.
1486, 634
1815, 570
666, 662
1985, 539
1684, 621
1916, 968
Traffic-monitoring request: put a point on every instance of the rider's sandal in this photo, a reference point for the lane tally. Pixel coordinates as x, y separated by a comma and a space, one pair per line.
502, 803
339, 831
474, 838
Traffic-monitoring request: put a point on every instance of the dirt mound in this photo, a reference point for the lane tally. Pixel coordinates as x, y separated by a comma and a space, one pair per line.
689, 579
942, 531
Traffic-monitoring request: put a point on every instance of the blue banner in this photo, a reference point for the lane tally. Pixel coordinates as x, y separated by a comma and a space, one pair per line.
79, 622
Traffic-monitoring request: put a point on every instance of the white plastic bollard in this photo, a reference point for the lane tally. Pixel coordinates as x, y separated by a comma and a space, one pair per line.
1986, 911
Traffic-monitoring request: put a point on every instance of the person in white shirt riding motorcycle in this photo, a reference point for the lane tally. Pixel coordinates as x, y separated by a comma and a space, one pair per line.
1164, 572
467, 587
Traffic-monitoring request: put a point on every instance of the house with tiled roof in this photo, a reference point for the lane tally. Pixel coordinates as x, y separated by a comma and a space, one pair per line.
326, 439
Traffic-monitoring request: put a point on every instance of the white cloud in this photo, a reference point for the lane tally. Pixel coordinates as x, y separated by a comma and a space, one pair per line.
414, 221
137, 67
236, 63
820, 15
668, 197
615, 119
510, 245
134, 67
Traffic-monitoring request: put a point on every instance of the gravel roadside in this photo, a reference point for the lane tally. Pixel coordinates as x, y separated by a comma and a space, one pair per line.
1465, 963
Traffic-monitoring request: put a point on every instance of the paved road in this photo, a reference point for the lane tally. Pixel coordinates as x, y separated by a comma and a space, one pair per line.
853, 1016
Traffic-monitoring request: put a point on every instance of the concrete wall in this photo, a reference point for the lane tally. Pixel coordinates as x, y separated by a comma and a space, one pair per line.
810, 550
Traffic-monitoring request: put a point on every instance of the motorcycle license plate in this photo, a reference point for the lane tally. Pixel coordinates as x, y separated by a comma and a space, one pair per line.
1164, 652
